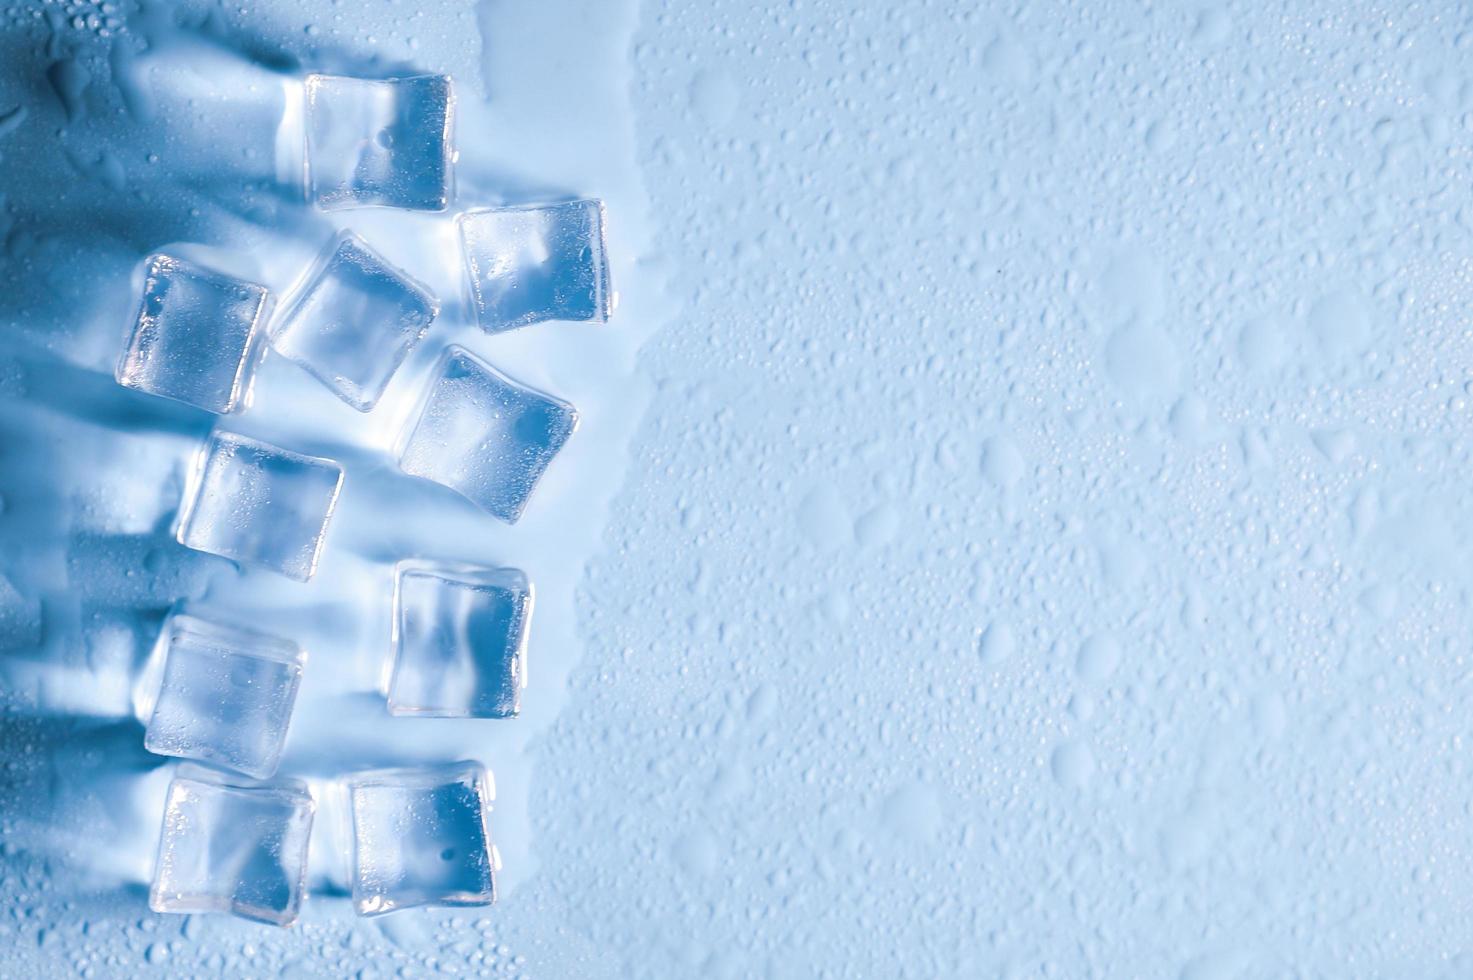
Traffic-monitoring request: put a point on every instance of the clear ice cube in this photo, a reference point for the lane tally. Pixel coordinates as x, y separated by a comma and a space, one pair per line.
255, 503
194, 337
484, 435
379, 141
232, 845
459, 640
226, 696
354, 321
421, 837
532, 263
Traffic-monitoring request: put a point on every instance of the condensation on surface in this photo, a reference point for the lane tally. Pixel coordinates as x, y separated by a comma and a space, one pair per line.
1039, 555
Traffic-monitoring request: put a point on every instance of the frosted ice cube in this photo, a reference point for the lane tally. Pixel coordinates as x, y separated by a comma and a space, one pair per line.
421, 837
379, 141
261, 505
459, 640
232, 845
532, 263
226, 696
485, 436
355, 320
194, 338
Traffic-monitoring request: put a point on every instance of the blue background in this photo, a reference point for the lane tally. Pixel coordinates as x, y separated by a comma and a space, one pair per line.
1041, 551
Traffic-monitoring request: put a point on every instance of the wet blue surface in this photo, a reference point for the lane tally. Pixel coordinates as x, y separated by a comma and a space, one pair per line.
1014, 527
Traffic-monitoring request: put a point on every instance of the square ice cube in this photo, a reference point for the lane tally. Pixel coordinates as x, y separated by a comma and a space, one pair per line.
379, 141
354, 321
258, 504
484, 435
226, 696
421, 837
232, 845
459, 640
532, 263
194, 337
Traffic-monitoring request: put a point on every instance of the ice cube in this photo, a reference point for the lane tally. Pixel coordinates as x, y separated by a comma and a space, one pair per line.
354, 321
421, 837
226, 696
194, 338
532, 263
258, 504
484, 435
379, 141
232, 845
459, 640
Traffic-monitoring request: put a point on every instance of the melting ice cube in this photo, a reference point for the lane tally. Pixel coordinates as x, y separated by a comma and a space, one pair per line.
232, 845
355, 320
255, 503
484, 435
421, 837
194, 337
226, 696
384, 142
533, 263
459, 640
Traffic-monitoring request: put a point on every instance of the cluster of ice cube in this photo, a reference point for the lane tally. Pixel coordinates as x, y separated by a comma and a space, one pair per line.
235, 836
237, 840
420, 837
